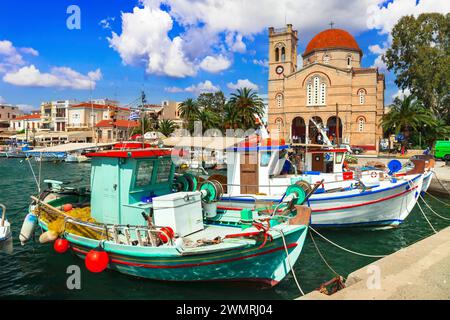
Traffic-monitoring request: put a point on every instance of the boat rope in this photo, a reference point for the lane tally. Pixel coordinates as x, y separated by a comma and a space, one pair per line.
437, 199
421, 210
345, 249
34, 175
437, 214
323, 258
289, 260
425, 216
442, 185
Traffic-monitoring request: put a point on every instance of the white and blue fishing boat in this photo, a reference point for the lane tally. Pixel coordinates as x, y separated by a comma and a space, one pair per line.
149, 222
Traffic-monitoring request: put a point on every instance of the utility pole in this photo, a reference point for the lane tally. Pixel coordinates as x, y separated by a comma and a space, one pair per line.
143, 101
337, 124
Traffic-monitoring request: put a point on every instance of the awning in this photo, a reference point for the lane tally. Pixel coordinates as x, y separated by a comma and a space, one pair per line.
69, 147
203, 142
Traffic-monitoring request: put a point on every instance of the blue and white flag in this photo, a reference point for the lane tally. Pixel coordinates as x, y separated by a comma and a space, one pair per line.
134, 115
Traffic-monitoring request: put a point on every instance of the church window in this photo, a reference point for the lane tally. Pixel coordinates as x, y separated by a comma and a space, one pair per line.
277, 54
349, 61
326, 59
279, 100
279, 124
361, 123
362, 96
316, 92
283, 54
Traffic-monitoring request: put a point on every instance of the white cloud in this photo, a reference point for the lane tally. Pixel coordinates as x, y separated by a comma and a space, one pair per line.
59, 77
203, 87
242, 83
262, 63
27, 108
106, 23
215, 64
144, 40
401, 94
235, 43
2, 100
30, 51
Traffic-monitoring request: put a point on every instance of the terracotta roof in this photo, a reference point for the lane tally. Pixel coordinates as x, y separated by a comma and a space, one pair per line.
28, 117
118, 123
332, 39
98, 106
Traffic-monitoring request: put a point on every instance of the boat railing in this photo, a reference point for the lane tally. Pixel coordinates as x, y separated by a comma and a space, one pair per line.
144, 235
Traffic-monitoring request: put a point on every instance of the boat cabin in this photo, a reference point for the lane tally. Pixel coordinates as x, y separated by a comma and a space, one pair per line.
123, 183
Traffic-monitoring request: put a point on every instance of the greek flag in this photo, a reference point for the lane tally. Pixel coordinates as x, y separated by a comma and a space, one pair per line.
134, 116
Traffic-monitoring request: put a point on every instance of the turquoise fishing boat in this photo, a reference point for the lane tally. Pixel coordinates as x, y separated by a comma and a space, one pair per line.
142, 219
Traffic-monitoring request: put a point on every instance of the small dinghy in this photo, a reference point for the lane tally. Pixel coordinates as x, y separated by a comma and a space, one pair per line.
5, 227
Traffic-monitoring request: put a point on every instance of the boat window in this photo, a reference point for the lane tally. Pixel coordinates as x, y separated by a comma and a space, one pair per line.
164, 167
265, 158
144, 173
339, 156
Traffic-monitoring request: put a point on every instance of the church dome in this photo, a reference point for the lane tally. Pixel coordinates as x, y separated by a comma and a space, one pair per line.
332, 39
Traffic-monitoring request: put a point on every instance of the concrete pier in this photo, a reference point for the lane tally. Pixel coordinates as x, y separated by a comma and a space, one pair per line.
420, 271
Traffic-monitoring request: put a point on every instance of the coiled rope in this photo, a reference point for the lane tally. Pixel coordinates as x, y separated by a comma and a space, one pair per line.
345, 249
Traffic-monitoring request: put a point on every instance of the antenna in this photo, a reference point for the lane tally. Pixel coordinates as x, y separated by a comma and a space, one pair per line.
143, 101
331, 24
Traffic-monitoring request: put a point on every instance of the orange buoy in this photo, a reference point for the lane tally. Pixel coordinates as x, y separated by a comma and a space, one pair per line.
61, 245
67, 207
166, 234
96, 260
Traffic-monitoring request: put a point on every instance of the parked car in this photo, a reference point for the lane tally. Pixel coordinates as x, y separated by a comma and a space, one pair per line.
442, 150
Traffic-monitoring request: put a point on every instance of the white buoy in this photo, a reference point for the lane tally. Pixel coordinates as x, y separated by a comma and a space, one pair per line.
28, 226
48, 236
5, 227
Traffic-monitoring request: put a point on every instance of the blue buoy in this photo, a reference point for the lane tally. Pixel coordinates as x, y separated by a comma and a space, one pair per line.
394, 166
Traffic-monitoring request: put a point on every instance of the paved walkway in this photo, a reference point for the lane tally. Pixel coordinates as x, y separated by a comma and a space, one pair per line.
420, 271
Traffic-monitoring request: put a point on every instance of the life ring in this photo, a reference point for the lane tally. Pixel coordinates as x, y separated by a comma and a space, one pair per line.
374, 174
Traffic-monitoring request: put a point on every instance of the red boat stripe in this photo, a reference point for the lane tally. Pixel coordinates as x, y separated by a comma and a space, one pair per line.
152, 266
365, 203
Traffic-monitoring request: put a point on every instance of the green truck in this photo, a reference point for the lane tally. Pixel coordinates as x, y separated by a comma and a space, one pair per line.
442, 150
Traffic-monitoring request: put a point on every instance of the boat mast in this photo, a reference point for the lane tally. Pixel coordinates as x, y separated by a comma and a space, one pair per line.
142, 119
337, 124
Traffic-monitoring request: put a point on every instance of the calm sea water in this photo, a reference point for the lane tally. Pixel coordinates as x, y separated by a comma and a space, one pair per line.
35, 271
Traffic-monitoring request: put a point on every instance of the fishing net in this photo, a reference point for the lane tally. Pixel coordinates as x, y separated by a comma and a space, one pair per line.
56, 222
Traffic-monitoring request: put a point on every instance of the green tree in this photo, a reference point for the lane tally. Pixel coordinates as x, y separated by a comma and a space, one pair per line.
209, 119
188, 112
407, 115
214, 101
167, 127
420, 58
246, 103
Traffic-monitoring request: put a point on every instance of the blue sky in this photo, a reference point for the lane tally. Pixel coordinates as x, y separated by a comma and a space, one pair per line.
214, 45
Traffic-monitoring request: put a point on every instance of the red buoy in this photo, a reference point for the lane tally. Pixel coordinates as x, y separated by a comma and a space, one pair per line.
166, 232
96, 260
61, 245
67, 207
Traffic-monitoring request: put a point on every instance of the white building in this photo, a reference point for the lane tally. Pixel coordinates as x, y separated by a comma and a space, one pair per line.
54, 114
30, 122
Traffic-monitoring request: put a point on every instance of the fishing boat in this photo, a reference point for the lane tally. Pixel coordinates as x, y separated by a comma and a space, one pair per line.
5, 227
144, 220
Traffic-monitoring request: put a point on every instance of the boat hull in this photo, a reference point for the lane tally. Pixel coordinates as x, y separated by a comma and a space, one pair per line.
427, 180
382, 206
267, 265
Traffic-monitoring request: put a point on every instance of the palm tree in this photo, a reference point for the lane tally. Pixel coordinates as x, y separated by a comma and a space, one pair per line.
146, 122
246, 103
188, 110
230, 117
167, 127
208, 118
407, 115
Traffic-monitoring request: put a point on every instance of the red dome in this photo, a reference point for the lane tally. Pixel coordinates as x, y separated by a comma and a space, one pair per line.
332, 39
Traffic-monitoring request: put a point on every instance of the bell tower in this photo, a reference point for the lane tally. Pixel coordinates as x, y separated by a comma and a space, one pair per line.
282, 52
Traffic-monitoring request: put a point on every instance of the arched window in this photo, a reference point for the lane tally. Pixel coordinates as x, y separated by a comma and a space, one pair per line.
316, 91
277, 54
362, 96
279, 124
279, 100
326, 58
361, 122
349, 61
283, 54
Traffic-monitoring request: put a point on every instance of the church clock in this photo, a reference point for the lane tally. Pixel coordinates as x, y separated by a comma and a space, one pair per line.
279, 70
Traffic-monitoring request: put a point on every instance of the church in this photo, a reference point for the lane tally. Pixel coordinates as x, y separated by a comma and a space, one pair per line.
329, 88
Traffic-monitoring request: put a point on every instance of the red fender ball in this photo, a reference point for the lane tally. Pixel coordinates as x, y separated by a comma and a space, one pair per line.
166, 231
96, 260
61, 245
67, 207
